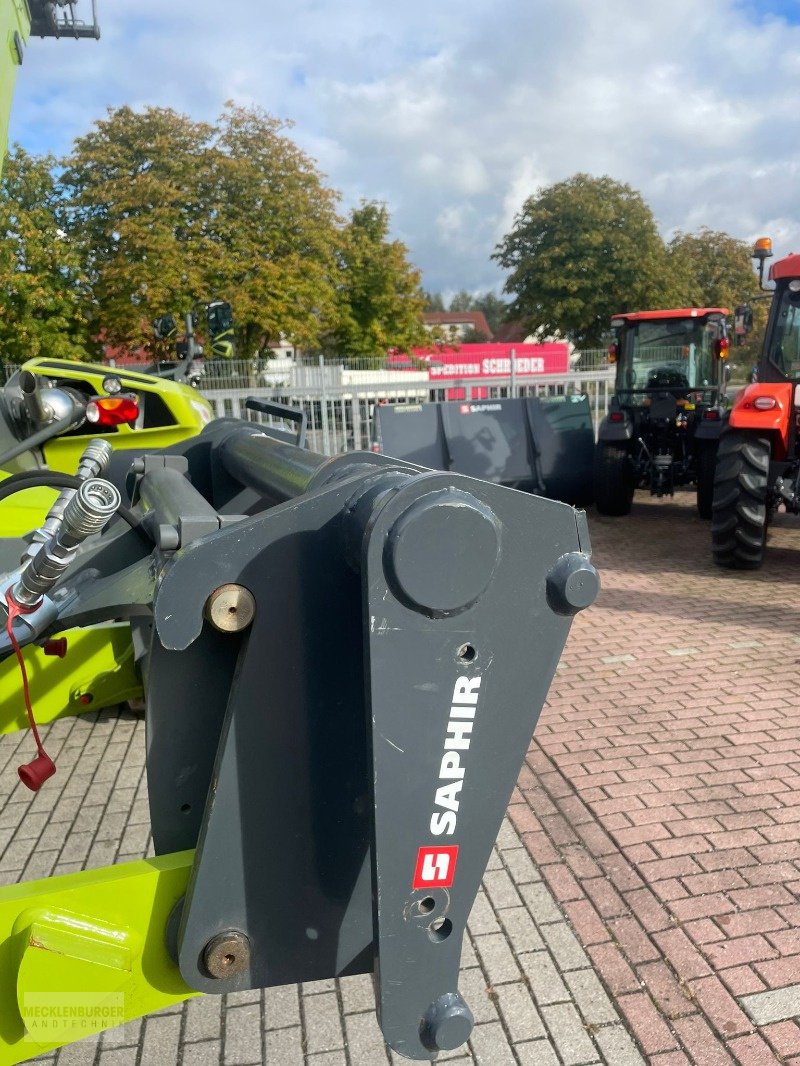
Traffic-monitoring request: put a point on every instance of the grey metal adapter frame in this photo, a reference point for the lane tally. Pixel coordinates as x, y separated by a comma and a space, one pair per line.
342, 752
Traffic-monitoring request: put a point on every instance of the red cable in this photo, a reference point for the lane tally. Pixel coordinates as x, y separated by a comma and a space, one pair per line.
43, 766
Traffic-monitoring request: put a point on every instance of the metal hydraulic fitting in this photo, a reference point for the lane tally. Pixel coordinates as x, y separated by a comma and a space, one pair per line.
86, 513
94, 463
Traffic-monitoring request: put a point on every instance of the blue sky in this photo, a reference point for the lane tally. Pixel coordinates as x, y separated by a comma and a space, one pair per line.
454, 112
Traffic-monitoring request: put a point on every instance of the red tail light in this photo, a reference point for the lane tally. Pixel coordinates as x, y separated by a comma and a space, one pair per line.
711, 415
723, 344
616, 416
112, 411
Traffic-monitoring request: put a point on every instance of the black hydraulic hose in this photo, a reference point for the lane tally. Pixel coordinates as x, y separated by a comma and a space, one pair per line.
63, 425
53, 479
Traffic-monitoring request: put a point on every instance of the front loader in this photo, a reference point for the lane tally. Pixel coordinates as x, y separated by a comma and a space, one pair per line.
758, 465
343, 662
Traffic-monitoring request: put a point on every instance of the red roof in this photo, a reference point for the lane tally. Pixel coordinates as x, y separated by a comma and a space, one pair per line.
680, 312
475, 319
788, 267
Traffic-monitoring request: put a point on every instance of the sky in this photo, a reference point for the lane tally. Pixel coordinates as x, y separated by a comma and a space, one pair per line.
453, 113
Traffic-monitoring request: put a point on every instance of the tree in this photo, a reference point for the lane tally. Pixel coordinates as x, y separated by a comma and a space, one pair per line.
711, 269
432, 301
379, 299
494, 309
45, 305
168, 211
580, 251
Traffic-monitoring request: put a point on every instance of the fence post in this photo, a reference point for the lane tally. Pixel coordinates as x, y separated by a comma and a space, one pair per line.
356, 415
326, 442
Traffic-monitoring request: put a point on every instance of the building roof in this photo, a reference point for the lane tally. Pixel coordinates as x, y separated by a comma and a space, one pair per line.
512, 332
474, 319
678, 312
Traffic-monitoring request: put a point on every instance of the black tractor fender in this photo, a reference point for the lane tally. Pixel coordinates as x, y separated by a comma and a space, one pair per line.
615, 431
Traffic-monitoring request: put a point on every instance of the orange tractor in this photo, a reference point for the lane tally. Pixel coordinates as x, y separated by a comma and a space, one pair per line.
758, 459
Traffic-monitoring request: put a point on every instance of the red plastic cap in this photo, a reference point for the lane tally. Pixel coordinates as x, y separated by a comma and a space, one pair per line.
34, 774
57, 647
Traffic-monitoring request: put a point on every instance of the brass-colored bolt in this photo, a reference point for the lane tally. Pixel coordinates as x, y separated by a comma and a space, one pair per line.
227, 955
230, 608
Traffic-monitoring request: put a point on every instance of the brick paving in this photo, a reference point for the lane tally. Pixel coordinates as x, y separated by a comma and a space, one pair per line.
643, 900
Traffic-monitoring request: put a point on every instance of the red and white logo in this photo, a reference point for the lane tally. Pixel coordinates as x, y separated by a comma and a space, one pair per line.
464, 409
436, 867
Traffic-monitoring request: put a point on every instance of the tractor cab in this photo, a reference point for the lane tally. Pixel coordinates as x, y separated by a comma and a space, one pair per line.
758, 466
677, 352
668, 406
780, 358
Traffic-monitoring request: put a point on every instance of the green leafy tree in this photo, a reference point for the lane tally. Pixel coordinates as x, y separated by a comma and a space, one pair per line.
168, 211
45, 307
711, 269
432, 301
494, 309
379, 299
580, 251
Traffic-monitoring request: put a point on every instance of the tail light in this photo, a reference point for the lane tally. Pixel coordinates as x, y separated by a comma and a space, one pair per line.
765, 403
613, 353
112, 411
616, 416
711, 415
723, 347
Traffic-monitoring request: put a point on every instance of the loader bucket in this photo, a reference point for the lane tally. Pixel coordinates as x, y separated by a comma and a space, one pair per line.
540, 444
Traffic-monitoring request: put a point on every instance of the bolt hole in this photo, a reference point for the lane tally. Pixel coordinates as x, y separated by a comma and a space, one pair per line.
185, 808
228, 960
440, 930
466, 653
231, 610
426, 905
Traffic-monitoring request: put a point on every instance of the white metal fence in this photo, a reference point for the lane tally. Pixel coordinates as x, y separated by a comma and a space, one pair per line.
340, 417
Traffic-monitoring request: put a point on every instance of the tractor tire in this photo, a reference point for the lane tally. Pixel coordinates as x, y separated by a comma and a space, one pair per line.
739, 513
706, 468
613, 480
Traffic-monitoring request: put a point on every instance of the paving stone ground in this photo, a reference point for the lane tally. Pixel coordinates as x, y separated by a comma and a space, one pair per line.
643, 899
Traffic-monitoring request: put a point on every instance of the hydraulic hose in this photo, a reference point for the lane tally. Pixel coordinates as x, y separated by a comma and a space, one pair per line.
43, 435
52, 479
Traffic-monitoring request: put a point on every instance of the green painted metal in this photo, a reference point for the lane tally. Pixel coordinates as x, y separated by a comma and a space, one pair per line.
15, 23
187, 410
98, 664
86, 952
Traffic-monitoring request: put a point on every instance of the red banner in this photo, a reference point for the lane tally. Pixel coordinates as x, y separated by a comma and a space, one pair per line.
486, 360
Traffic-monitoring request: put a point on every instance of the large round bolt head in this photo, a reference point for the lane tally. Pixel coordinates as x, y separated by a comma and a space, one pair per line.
227, 955
230, 608
572, 584
447, 1024
442, 552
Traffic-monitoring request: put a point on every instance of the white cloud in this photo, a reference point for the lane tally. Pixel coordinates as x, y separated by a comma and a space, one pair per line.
453, 112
